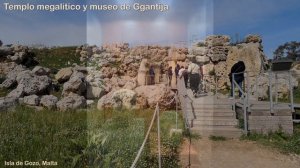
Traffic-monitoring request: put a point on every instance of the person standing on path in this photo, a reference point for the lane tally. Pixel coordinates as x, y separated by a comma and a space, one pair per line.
194, 71
170, 74
152, 75
183, 74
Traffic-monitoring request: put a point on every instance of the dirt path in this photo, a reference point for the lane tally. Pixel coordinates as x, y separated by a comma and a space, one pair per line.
234, 154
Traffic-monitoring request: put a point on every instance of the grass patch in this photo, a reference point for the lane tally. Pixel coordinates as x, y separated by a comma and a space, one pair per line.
56, 58
217, 138
86, 138
279, 140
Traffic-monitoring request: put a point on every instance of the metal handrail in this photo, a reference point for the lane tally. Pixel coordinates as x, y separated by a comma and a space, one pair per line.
182, 93
245, 97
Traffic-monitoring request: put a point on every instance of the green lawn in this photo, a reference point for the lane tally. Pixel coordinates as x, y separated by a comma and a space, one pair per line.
57, 58
86, 138
285, 143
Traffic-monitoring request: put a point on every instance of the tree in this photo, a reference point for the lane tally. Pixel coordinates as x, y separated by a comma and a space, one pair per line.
1, 43
290, 50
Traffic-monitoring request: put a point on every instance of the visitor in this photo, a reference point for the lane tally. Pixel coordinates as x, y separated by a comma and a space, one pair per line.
152, 75
183, 74
177, 68
170, 74
238, 68
194, 71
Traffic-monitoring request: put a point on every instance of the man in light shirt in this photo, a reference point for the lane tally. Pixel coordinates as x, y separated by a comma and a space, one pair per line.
183, 73
194, 71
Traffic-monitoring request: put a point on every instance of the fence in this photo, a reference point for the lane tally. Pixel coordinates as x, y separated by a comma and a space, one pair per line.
272, 78
155, 115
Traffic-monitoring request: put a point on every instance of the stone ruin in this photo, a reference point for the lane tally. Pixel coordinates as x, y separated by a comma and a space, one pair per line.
116, 75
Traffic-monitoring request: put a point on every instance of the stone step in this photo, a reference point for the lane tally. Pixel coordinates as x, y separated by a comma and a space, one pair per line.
212, 106
228, 132
211, 110
215, 122
214, 114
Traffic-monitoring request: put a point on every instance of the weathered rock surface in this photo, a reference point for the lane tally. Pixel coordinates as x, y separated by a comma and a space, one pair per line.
11, 76
76, 84
157, 94
93, 92
35, 85
64, 74
6, 67
124, 98
4, 51
217, 40
40, 71
253, 39
71, 102
32, 100
106, 101
7, 102
49, 101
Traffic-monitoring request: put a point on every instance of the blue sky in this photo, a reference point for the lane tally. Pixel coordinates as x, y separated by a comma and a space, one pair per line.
277, 21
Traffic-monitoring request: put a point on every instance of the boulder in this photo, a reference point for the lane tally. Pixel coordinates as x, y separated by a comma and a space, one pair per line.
10, 80
16, 94
71, 102
32, 100
124, 98
157, 94
6, 67
34, 85
18, 57
49, 101
106, 101
76, 84
64, 74
93, 92
40, 71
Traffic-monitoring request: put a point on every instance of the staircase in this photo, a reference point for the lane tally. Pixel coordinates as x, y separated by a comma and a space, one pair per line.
213, 117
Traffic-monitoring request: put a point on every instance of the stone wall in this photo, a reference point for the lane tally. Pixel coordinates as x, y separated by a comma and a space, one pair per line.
267, 123
217, 56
